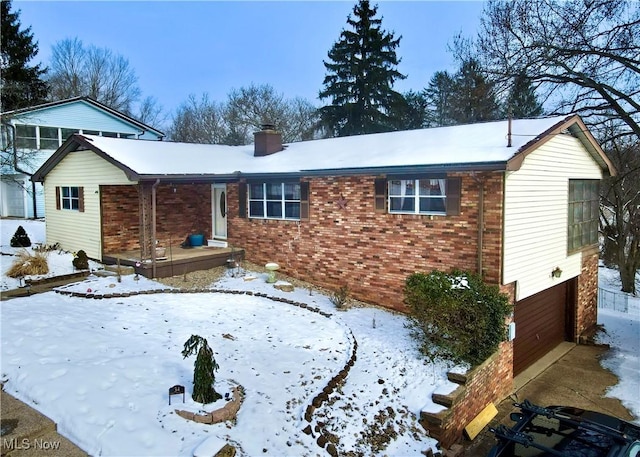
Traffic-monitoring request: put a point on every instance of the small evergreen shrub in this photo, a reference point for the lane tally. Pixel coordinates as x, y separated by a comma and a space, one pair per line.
456, 316
20, 239
27, 264
340, 297
81, 261
204, 368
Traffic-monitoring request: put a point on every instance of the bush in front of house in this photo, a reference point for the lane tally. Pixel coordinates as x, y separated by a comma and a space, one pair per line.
340, 297
20, 239
81, 261
456, 316
203, 370
27, 264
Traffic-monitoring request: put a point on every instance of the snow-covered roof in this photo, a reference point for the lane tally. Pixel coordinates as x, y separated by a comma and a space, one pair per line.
483, 143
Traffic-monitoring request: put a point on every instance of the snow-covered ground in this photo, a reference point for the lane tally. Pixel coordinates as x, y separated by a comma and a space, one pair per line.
59, 261
622, 333
102, 368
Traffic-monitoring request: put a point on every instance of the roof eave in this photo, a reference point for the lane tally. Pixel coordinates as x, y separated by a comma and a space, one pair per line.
377, 171
74, 143
577, 128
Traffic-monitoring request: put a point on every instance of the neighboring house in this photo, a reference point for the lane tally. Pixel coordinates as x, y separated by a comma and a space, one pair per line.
31, 135
514, 201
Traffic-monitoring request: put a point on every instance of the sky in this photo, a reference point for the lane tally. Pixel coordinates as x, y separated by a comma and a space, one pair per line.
183, 48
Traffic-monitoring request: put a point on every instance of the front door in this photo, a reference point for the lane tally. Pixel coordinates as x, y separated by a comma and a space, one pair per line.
219, 210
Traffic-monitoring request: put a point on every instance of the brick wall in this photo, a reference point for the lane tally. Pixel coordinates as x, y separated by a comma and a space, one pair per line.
120, 219
487, 383
587, 299
181, 210
372, 253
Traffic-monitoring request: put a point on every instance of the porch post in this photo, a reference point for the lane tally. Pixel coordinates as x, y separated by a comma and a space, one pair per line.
146, 229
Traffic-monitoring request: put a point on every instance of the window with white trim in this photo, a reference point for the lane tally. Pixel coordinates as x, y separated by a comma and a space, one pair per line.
274, 200
418, 196
70, 198
26, 137
42, 137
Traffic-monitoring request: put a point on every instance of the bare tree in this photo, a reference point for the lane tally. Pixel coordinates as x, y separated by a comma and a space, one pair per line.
77, 70
150, 112
199, 121
586, 53
246, 109
620, 212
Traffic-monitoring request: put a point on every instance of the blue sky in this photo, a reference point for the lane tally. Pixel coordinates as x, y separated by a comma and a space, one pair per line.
182, 48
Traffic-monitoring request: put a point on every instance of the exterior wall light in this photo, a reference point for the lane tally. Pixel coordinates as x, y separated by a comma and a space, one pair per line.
556, 272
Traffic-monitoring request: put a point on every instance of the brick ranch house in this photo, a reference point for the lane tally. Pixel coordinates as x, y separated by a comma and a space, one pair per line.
516, 201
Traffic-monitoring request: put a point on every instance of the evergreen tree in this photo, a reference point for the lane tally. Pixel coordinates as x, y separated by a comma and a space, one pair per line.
438, 97
522, 101
21, 84
411, 112
204, 369
474, 97
20, 239
361, 72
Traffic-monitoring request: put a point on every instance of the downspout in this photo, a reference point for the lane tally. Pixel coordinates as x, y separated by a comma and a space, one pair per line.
19, 170
153, 225
480, 182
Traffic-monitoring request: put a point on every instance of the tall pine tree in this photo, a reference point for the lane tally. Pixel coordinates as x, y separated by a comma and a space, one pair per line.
522, 101
438, 95
474, 97
21, 84
361, 72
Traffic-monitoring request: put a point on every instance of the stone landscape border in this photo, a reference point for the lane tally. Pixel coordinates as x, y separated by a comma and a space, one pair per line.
324, 439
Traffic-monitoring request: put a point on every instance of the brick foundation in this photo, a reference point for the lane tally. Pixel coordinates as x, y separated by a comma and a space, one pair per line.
489, 382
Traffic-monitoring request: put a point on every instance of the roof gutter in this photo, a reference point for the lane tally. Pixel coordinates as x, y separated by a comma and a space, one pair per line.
389, 170
20, 170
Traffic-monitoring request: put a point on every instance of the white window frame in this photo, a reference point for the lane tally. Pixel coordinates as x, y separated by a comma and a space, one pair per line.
69, 198
283, 201
416, 195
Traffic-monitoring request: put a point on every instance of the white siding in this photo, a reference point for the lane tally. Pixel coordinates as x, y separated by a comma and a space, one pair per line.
76, 230
535, 215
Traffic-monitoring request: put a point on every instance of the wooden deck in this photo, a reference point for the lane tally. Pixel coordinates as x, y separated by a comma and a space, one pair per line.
177, 260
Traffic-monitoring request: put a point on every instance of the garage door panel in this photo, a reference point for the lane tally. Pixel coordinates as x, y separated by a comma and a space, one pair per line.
540, 325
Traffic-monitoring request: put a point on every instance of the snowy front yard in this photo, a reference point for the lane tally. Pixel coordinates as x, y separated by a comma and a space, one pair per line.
102, 368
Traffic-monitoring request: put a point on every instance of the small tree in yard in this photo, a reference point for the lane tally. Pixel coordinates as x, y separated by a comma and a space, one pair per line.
20, 239
204, 368
456, 316
81, 261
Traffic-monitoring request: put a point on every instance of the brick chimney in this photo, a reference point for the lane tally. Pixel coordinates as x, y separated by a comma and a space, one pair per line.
267, 141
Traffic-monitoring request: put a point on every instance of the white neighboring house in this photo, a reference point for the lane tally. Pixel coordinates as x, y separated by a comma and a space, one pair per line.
31, 135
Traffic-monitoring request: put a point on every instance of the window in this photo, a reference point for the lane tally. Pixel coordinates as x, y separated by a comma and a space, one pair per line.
49, 138
274, 200
26, 137
583, 210
66, 133
417, 196
70, 198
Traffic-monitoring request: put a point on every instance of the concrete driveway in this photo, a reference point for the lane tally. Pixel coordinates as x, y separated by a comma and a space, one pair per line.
570, 375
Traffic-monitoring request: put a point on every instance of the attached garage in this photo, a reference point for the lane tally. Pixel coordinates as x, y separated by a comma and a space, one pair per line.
542, 322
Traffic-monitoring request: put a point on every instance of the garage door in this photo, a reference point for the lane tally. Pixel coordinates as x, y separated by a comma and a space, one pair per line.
15, 199
540, 325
